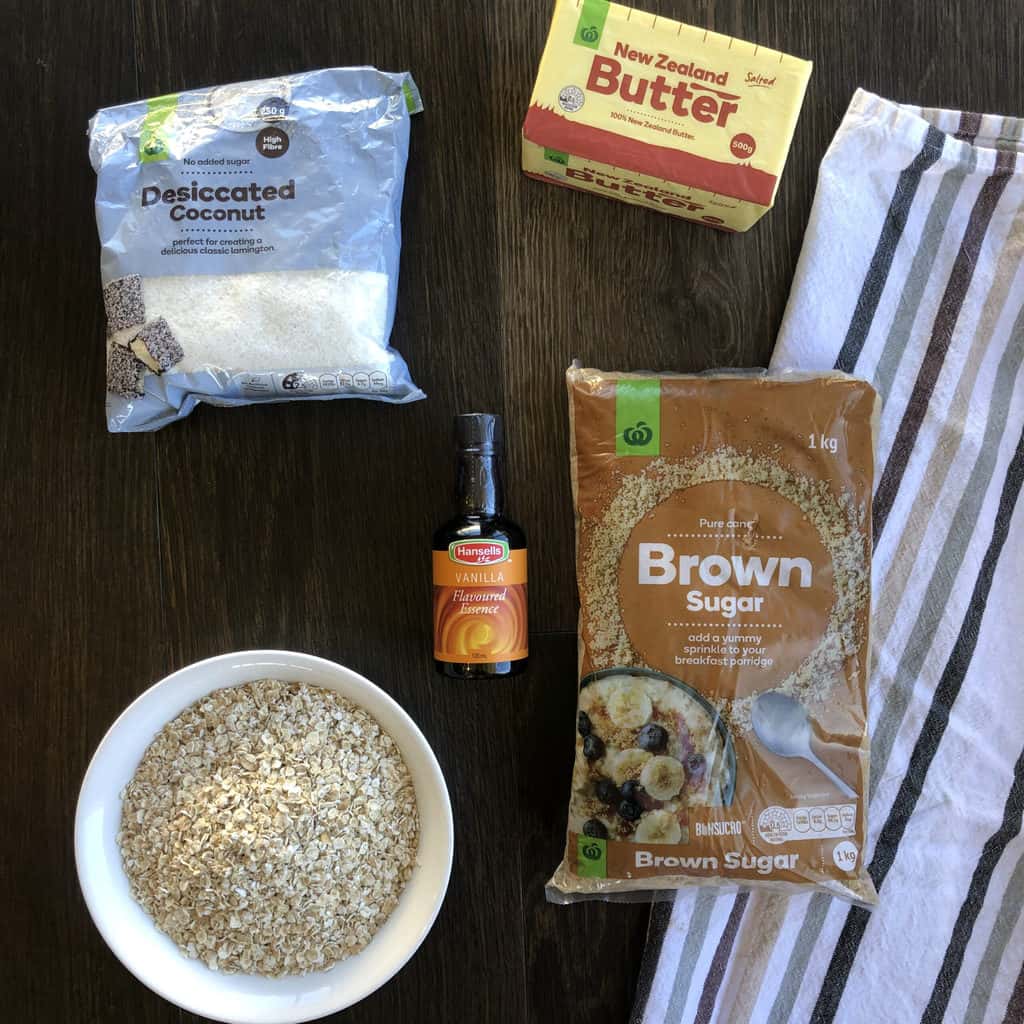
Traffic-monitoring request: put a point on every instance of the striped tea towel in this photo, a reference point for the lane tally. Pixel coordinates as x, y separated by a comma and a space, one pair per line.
912, 275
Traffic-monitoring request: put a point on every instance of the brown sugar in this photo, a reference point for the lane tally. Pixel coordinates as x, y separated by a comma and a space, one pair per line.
723, 551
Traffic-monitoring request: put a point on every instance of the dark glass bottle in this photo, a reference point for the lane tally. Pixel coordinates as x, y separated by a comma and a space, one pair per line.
480, 612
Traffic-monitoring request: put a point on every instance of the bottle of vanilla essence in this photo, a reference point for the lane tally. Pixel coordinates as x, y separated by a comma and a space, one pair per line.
480, 623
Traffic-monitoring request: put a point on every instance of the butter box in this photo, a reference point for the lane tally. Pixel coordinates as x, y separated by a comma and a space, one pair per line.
655, 112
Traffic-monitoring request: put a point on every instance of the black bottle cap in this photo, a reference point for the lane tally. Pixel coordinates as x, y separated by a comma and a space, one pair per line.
479, 432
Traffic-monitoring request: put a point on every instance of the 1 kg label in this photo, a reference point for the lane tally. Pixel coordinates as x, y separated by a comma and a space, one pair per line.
825, 443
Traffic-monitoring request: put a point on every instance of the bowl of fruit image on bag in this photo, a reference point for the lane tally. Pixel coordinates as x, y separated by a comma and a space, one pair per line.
649, 747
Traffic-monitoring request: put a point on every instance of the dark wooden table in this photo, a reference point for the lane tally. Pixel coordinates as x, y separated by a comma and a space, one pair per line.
308, 526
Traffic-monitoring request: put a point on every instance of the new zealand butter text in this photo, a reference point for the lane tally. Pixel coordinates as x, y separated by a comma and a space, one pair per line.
684, 99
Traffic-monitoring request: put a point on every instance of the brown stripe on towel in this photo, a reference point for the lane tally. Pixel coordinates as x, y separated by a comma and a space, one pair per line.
942, 334
885, 250
716, 972
925, 748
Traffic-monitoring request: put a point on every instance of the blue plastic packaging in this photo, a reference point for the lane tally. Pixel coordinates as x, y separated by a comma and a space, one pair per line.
250, 241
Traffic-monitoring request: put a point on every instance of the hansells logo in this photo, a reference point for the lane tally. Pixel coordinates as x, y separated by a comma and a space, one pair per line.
478, 552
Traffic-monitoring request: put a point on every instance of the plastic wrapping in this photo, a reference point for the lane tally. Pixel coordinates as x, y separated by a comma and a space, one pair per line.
250, 241
723, 562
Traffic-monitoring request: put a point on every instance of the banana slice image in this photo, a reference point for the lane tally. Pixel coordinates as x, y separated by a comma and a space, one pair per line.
663, 777
629, 707
628, 764
658, 827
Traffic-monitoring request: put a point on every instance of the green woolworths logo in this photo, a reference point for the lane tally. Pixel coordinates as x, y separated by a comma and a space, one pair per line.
638, 416
591, 857
591, 23
638, 436
156, 128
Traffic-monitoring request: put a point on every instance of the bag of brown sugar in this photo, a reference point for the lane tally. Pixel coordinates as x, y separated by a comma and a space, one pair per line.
723, 554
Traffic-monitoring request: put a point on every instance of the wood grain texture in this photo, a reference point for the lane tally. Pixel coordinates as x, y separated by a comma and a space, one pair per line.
307, 526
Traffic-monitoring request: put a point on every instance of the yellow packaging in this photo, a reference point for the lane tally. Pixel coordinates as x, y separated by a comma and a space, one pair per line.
657, 113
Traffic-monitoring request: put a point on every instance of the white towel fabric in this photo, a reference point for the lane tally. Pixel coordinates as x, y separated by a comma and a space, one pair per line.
912, 275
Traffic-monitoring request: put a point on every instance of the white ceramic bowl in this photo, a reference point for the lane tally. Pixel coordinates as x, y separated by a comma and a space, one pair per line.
150, 955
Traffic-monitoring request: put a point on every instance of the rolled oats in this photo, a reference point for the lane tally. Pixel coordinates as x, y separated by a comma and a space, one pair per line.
270, 828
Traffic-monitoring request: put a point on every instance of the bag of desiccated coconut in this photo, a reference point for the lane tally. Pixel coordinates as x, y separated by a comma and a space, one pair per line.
723, 563
250, 240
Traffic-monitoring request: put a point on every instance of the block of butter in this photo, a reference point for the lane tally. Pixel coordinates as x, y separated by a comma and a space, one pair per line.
661, 114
